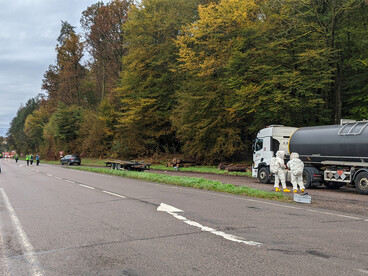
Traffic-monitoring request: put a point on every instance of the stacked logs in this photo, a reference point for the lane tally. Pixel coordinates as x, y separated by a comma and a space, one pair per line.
233, 167
176, 162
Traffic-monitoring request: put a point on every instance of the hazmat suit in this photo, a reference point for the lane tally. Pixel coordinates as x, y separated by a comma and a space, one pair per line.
296, 167
277, 167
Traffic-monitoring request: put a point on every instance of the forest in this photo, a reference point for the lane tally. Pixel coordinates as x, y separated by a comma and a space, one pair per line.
195, 77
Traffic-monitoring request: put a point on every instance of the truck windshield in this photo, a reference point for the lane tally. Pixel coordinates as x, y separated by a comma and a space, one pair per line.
258, 144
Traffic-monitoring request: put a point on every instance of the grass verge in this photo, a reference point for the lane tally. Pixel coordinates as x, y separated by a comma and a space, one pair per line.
201, 169
85, 161
193, 182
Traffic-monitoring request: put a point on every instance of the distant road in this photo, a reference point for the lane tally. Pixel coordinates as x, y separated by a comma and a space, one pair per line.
57, 221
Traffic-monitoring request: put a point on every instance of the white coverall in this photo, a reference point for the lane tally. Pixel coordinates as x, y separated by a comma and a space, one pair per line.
280, 172
296, 167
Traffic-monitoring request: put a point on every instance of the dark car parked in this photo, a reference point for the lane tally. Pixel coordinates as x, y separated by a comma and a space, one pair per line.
70, 160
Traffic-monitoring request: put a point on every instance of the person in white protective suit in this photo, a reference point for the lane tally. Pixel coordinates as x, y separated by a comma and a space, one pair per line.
296, 167
278, 167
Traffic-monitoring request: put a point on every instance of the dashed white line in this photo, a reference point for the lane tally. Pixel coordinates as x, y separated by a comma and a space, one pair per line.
49, 174
37, 170
58, 177
110, 193
28, 251
69, 181
88, 187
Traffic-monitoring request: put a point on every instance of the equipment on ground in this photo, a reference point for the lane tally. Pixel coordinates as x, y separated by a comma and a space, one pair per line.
128, 165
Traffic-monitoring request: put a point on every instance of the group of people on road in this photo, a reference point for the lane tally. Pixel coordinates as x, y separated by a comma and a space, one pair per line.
296, 167
30, 158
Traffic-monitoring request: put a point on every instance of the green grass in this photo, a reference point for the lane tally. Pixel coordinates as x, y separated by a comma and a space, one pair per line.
193, 182
85, 161
49, 162
201, 169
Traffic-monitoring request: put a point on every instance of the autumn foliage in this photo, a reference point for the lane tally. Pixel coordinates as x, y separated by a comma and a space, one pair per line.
196, 77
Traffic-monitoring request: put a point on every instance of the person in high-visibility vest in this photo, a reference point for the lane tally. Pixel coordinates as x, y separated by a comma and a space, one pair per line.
27, 159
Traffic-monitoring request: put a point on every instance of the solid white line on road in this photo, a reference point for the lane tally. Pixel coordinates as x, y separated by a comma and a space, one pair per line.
88, 187
69, 181
110, 193
332, 214
28, 251
49, 174
172, 211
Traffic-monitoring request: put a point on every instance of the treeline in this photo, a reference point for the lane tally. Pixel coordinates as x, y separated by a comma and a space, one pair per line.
196, 77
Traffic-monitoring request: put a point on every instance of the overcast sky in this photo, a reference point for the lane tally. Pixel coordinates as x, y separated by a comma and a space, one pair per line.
28, 33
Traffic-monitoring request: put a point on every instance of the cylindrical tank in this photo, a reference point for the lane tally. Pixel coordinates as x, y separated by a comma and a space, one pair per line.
348, 142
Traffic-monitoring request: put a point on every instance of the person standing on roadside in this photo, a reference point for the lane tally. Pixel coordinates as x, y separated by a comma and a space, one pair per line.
296, 167
27, 159
37, 159
277, 167
16, 158
31, 159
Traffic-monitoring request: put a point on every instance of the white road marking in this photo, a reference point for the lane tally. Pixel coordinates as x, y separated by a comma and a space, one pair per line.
69, 181
28, 251
110, 193
267, 203
88, 187
58, 177
49, 174
37, 170
172, 211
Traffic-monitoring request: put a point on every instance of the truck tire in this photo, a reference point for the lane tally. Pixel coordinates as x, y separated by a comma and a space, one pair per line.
361, 183
307, 179
333, 185
264, 175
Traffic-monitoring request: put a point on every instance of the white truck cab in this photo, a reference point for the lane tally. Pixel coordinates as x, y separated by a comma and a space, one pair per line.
269, 140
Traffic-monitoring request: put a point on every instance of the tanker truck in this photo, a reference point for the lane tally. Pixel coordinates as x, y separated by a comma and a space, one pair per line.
333, 155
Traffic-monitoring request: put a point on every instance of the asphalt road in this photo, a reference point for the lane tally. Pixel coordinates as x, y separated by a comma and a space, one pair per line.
57, 221
345, 199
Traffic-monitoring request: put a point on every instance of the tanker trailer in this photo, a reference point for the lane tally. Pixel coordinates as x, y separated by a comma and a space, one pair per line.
334, 155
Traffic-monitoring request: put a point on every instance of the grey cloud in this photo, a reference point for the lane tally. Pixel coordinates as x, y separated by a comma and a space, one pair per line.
28, 33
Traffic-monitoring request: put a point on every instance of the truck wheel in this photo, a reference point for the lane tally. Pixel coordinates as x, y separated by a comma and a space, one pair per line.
264, 175
307, 180
361, 183
333, 185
